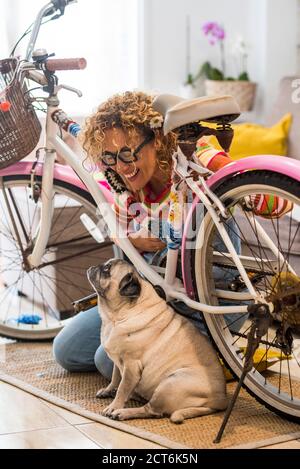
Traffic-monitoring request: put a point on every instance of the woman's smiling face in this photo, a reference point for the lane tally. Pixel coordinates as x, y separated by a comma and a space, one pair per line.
137, 173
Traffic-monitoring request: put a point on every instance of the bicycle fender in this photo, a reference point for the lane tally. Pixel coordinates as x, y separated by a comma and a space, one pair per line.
282, 165
278, 164
61, 172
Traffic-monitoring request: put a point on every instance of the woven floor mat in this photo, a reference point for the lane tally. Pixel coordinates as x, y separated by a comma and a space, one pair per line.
31, 367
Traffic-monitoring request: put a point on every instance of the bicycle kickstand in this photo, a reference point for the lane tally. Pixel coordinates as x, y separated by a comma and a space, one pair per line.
260, 316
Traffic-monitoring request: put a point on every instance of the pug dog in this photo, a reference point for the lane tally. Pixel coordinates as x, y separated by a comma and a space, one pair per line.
157, 353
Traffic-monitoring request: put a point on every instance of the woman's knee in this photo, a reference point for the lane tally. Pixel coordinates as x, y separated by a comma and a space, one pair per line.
67, 356
59, 354
74, 347
62, 353
103, 363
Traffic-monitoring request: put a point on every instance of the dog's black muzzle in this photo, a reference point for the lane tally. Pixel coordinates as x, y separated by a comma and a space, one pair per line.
94, 275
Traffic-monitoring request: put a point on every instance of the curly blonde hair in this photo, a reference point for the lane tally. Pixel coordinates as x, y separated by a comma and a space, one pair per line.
133, 113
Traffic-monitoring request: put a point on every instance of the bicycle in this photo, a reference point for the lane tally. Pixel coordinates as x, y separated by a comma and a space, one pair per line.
261, 283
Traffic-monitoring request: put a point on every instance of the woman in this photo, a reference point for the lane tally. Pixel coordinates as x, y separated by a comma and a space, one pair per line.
125, 139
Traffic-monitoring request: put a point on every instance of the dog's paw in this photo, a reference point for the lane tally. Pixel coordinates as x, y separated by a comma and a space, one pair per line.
105, 392
115, 414
109, 410
120, 414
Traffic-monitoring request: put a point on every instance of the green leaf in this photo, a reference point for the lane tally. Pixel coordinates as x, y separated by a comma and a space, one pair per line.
230, 79
190, 79
205, 70
244, 77
216, 74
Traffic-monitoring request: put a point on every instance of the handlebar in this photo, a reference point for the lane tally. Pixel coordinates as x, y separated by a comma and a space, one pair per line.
47, 10
52, 65
59, 5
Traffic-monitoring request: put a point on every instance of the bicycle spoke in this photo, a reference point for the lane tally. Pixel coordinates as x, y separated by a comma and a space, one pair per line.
11, 236
33, 296
266, 352
72, 256
235, 320
49, 306
18, 215
296, 359
43, 299
243, 239
80, 288
262, 252
66, 307
8, 291
68, 224
265, 355
279, 386
245, 332
21, 298
69, 241
246, 242
67, 282
290, 380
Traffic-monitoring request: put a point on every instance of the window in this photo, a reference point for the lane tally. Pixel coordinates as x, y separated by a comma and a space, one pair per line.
105, 32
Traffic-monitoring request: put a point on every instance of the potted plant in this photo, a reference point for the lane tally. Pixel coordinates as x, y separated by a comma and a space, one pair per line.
217, 83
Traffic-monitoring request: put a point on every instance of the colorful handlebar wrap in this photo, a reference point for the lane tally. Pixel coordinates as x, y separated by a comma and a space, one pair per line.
65, 123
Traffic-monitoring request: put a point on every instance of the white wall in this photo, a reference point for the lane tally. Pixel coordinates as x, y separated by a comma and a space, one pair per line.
270, 27
105, 32
281, 43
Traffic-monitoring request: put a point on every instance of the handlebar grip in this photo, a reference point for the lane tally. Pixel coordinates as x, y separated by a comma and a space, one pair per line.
52, 65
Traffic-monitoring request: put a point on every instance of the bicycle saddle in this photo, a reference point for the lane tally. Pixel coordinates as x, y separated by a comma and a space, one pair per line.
180, 112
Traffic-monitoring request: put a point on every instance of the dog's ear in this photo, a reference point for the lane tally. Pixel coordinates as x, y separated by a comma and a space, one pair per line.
130, 286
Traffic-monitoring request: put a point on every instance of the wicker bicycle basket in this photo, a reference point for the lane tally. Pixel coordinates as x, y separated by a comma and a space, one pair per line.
20, 128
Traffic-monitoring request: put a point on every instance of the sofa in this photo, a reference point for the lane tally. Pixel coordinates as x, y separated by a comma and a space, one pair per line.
288, 100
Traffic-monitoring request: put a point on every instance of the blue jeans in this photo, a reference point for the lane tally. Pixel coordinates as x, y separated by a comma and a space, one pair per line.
77, 346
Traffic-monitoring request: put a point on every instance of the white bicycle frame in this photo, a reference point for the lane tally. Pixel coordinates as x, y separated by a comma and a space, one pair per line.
170, 284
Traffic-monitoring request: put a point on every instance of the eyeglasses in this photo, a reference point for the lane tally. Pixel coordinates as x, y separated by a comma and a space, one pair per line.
126, 155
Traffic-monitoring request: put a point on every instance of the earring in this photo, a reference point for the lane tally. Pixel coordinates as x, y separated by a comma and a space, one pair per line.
157, 145
115, 181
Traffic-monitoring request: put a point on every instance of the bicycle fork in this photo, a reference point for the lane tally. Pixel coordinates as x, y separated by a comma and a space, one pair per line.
44, 228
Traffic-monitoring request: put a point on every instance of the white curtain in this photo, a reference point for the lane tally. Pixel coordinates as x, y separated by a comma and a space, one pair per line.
105, 32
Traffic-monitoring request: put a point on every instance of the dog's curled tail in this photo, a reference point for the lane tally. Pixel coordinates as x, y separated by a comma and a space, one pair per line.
180, 415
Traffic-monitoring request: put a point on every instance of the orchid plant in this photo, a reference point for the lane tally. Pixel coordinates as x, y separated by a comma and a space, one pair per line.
216, 35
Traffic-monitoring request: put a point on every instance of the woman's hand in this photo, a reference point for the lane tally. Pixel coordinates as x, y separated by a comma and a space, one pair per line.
142, 240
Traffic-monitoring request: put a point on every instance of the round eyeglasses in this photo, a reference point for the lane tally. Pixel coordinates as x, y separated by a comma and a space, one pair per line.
125, 154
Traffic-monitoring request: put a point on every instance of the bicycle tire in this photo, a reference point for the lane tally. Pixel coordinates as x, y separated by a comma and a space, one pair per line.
272, 391
76, 201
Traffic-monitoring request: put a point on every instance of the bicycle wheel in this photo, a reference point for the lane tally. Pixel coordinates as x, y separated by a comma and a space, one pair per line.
37, 303
275, 377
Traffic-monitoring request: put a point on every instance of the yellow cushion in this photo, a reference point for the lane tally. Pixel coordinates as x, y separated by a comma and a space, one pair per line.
253, 139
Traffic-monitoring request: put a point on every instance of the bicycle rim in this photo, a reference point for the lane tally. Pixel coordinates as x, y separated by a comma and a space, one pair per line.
36, 304
275, 378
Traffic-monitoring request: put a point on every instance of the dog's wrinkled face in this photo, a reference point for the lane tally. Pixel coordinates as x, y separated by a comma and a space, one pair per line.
117, 282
